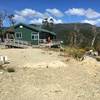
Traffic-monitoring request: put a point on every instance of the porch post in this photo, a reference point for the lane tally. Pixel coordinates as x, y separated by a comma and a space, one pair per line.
7, 36
38, 38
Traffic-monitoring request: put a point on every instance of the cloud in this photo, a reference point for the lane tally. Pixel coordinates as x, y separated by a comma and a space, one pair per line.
19, 18
55, 12
32, 16
76, 11
46, 15
29, 13
39, 21
57, 21
89, 13
93, 22
36, 17
36, 21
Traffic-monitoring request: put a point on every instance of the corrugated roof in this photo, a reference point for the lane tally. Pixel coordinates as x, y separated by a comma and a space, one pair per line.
39, 29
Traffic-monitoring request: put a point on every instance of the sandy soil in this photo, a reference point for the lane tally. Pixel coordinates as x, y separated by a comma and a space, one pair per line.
44, 75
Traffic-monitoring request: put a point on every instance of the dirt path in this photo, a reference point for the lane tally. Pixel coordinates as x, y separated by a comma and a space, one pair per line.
59, 81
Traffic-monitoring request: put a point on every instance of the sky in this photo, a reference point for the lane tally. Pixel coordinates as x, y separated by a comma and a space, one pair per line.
62, 11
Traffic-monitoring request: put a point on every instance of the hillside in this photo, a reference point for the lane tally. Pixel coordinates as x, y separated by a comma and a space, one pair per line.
65, 28
85, 33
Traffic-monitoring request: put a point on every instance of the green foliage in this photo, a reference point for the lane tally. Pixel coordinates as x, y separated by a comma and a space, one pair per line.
48, 24
75, 52
84, 36
89, 48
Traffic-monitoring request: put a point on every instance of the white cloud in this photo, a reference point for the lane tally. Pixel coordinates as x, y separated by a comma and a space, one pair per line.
76, 11
46, 15
36, 17
93, 22
56, 21
36, 21
19, 18
89, 13
29, 13
39, 21
55, 12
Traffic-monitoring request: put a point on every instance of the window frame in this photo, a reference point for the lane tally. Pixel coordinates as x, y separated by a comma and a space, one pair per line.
19, 35
35, 34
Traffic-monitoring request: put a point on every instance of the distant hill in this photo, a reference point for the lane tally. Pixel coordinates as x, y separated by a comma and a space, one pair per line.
64, 28
85, 33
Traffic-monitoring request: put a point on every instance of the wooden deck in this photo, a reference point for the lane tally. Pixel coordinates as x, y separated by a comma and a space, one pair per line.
16, 43
24, 44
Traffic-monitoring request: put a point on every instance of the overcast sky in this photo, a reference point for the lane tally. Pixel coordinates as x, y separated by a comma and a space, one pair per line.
62, 11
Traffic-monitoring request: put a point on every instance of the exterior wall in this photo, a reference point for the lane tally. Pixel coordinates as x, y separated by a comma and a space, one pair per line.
43, 35
46, 35
26, 35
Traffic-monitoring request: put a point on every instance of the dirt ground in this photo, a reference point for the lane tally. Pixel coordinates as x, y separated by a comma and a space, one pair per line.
45, 75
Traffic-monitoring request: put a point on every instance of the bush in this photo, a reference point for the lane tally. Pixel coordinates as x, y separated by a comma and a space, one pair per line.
98, 58
75, 52
88, 48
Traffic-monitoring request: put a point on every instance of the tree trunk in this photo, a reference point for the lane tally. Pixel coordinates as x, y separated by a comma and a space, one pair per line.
93, 40
75, 39
72, 39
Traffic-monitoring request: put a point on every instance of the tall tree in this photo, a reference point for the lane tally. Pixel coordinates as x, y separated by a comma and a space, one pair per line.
11, 19
45, 22
74, 35
48, 23
76, 31
3, 15
95, 33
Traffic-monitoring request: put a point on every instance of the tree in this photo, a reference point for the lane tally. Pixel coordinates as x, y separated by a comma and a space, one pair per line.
51, 22
45, 22
11, 19
48, 23
74, 35
95, 33
3, 15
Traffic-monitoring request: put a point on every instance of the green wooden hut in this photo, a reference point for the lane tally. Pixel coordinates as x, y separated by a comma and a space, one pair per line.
31, 34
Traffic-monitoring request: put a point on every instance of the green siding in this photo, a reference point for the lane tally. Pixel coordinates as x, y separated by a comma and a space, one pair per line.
26, 35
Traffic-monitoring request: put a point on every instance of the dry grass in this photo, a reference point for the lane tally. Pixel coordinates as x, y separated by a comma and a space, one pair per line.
75, 52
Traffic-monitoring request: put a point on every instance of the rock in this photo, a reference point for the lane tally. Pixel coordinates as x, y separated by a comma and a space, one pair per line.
98, 58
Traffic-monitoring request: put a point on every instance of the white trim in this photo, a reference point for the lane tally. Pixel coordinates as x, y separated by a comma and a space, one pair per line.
38, 38
16, 35
35, 35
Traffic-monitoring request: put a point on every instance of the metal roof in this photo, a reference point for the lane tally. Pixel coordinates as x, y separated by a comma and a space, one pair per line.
38, 29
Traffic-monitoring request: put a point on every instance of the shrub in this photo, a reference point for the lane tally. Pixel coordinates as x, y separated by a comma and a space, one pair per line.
98, 58
88, 48
75, 52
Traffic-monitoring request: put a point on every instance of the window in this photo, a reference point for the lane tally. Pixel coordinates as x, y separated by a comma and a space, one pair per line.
18, 35
34, 36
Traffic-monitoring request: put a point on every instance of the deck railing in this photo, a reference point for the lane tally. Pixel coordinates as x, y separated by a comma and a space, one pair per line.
16, 43
25, 44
